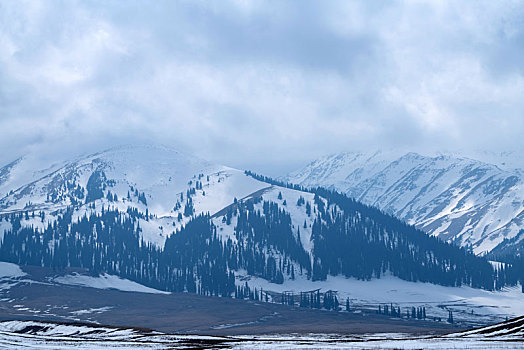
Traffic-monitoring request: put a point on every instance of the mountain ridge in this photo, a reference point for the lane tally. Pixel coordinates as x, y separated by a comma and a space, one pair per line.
457, 199
112, 209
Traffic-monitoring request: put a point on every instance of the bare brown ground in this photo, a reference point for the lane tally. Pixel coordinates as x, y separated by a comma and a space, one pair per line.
190, 313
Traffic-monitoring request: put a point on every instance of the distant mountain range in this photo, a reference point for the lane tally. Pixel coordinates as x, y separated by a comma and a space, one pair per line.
175, 222
458, 199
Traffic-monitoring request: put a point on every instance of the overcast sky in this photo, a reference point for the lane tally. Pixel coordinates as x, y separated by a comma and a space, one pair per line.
261, 85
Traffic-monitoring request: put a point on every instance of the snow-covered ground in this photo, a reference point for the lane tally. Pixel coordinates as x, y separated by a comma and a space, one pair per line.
105, 281
48, 335
8, 270
10, 275
475, 306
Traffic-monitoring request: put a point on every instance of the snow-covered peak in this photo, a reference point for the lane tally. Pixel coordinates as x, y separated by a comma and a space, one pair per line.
145, 177
337, 167
452, 196
149, 166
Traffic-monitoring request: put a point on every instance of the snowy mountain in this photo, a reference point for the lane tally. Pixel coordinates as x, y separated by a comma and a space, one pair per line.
455, 198
174, 222
143, 176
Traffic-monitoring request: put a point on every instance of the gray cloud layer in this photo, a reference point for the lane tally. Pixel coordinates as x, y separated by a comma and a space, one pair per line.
262, 85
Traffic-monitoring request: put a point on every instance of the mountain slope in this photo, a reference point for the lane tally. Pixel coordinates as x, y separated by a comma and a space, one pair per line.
455, 198
144, 176
177, 223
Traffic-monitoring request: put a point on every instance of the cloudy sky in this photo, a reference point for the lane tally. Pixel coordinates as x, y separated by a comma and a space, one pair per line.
261, 85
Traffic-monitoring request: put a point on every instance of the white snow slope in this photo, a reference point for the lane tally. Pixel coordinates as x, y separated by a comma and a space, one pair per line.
456, 198
163, 175
105, 281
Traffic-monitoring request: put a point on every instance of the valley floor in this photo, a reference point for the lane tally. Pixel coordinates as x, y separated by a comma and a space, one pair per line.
470, 306
40, 308
35, 293
192, 314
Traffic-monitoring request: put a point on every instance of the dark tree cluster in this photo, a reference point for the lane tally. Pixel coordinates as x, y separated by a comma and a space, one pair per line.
389, 310
193, 259
268, 247
360, 241
315, 299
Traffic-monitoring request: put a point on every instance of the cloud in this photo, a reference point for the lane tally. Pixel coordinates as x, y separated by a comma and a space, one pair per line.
262, 85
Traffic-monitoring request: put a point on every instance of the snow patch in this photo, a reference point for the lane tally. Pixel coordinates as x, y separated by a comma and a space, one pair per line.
9, 270
488, 306
106, 281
